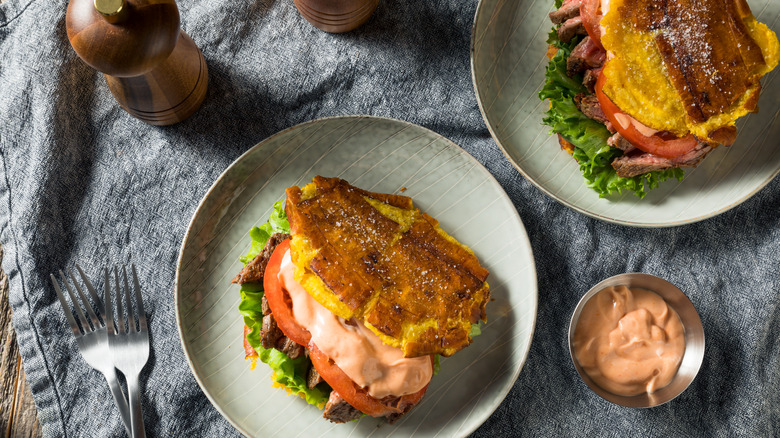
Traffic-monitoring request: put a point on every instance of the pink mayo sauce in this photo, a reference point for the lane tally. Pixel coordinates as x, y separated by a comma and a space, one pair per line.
625, 121
381, 369
629, 341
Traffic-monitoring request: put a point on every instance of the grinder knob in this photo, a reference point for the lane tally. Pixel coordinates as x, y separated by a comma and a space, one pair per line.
153, 69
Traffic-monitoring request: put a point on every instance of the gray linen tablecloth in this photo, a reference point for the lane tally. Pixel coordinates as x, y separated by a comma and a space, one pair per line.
83, 182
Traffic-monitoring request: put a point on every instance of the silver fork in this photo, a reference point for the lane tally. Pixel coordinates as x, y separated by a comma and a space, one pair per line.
93, 340
129, 345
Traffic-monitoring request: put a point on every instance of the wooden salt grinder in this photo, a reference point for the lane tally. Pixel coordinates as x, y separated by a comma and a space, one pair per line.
154, 70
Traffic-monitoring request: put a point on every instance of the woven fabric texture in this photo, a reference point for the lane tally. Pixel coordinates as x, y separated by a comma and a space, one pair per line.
83, 182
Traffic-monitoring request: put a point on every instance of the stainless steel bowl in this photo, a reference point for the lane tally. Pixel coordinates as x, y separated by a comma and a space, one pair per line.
694, 339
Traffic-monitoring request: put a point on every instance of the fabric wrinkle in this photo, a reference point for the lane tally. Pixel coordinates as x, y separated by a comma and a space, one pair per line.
81, 181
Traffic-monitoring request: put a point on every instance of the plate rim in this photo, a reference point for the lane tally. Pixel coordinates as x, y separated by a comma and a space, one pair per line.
528, 250
637, 224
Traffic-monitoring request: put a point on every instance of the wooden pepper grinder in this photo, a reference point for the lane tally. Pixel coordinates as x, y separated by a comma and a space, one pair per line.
154, 70
336, 16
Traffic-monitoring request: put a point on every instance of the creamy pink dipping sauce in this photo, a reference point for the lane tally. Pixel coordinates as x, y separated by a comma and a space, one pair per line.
629, 341
381, 369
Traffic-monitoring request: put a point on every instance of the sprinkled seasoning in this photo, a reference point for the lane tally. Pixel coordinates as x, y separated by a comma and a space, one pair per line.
374, 257
686, 65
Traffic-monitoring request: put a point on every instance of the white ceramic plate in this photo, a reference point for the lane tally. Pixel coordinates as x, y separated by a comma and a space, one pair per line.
508, 63
381, 155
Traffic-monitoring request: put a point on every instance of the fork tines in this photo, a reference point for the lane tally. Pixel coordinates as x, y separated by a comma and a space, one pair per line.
129, 344
97, 322
120, 327
92, 336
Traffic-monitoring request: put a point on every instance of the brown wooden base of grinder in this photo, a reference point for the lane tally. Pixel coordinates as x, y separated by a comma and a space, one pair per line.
336, 16
169, 93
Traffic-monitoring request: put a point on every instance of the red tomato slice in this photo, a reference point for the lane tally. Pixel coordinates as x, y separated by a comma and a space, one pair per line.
354, 394
590, 11
279, 301
661, 144
248, 350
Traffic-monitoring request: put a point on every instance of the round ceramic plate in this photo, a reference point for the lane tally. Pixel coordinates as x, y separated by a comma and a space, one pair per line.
376, 154
508, 47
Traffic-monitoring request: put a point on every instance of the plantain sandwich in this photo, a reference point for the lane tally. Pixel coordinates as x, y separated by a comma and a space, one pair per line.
357, 293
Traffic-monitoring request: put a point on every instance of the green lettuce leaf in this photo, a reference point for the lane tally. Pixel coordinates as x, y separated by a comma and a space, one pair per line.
288, 372
277, 223
588, 136
476, 329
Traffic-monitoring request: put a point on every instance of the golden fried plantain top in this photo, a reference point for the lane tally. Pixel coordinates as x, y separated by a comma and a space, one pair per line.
687, 65
374, 257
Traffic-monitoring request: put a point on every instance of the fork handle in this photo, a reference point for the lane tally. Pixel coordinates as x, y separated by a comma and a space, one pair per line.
119, 399
136, 415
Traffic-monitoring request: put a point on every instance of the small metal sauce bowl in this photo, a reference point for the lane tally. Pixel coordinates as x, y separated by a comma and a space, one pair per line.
694, 339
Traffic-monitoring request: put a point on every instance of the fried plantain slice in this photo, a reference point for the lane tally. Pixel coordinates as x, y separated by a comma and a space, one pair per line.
687, 65
375, 257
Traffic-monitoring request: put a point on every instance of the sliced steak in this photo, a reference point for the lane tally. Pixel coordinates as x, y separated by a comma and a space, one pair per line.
270, 333
569, 9
589, 105
631, 165
392, 418
586, 54
254, 270
571, 28
266, 309
313, 377
639, 163
396, 402
271, 336
693, 157
620, 142
589, 79
289, 347
338, 410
